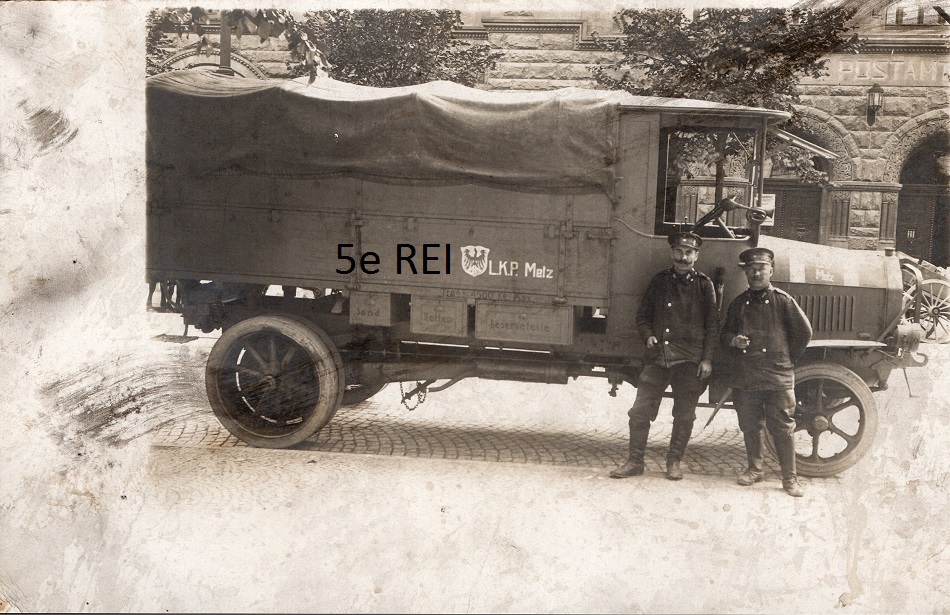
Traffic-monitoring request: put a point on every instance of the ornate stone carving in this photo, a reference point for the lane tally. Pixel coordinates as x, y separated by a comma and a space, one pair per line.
736, 165
909, 136
696, 169
181, 59
862, 243
829, 133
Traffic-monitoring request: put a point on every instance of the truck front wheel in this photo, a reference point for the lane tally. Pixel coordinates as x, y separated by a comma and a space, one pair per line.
274, 381
836, 419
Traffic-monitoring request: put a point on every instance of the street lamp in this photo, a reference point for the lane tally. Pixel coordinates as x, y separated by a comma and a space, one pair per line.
875, 102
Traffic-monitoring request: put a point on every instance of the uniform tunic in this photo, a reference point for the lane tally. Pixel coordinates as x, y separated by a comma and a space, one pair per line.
681, 312
778, 333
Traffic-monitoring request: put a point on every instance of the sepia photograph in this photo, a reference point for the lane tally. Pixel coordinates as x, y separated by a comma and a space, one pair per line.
364, 307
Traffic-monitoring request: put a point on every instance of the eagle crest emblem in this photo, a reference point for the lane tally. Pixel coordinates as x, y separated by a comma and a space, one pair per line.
474, 260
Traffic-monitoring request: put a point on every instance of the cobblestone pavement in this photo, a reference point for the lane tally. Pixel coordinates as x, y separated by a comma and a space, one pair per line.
373, 428
382, 426
490, 497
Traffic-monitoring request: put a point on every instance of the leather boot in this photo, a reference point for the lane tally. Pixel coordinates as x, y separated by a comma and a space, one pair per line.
754, 444
637, 448
678, 441
785, 450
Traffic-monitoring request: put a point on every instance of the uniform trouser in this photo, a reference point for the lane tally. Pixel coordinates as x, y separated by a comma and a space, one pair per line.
687, 388
773, 410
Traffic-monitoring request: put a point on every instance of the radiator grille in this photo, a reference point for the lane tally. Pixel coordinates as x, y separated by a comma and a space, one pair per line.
828, 313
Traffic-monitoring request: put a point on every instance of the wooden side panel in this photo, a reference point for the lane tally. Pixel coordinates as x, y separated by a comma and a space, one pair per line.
637, 169
283, 244
186, 239
635, 255
454, 242
337, 194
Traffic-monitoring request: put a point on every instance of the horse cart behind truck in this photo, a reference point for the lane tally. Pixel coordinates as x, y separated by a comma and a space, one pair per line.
435, 233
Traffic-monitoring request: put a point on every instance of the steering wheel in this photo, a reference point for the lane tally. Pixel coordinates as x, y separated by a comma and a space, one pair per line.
755, 215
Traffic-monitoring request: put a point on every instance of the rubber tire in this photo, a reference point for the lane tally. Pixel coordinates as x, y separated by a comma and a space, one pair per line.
844, 376
320, 349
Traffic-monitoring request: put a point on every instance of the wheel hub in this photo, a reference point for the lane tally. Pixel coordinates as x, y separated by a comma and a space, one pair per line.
269, 383
820, 423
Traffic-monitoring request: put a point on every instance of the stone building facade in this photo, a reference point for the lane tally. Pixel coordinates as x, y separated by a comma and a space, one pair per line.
888, 179
888, 174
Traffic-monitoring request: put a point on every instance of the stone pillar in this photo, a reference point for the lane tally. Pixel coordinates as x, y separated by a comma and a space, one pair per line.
863, 215
888, 237
838, 218
864, 226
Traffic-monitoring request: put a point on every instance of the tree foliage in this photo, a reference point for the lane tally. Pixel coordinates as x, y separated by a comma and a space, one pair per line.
155, 53
394, 48
267, 24
368, 47
752, 57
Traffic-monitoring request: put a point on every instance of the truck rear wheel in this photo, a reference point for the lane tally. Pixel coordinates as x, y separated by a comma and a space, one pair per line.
274, 381
836, 419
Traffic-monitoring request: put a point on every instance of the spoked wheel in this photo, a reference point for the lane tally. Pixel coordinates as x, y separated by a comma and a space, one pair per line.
274, 381
935, 310
836, 419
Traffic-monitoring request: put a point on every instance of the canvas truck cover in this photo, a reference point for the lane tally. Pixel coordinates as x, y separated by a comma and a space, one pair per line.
564, 140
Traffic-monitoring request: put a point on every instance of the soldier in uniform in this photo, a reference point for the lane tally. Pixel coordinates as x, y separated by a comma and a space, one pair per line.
764, 333
679, 320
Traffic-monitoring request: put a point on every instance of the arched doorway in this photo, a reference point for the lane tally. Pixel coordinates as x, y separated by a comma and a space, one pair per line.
923, 210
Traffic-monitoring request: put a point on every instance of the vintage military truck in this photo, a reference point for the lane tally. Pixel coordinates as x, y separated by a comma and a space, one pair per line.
436, 232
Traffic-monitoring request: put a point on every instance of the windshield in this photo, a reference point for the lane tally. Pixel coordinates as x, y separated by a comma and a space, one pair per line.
698, 167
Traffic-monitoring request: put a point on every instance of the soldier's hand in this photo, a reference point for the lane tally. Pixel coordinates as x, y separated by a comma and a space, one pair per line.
652, 341
705, 369
740, 341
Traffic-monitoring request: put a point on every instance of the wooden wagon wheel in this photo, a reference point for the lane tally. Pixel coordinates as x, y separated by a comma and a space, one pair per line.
935, 310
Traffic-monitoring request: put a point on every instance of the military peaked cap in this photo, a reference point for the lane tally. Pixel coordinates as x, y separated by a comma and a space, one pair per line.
756, 255
689, 240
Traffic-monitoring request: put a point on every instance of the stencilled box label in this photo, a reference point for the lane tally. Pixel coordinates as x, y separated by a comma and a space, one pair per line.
373, 309
523, 323
439, 317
